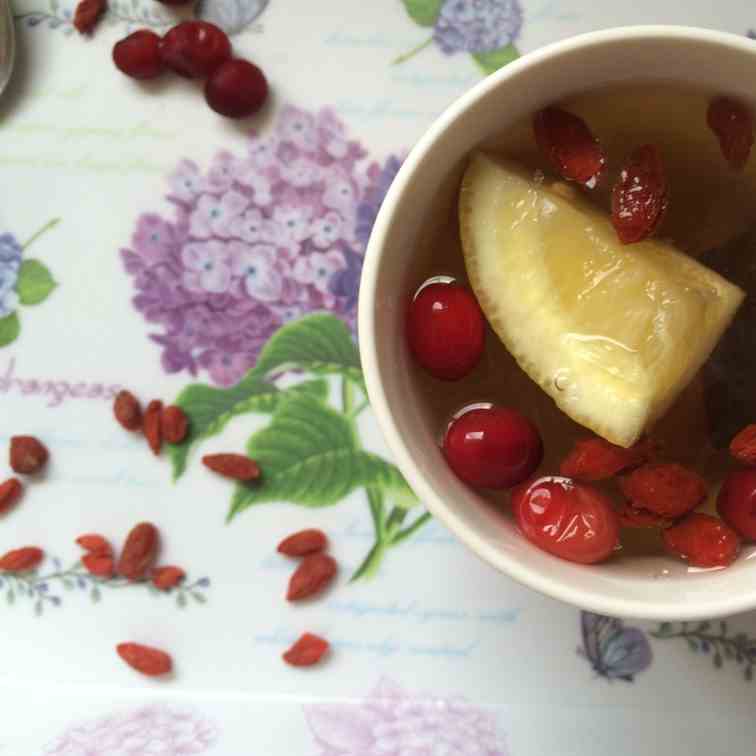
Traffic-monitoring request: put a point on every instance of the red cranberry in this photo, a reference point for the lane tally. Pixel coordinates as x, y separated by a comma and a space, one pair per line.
195, 48
236, 89
446, 330
736, 502
138, 55
570, 520
492, 447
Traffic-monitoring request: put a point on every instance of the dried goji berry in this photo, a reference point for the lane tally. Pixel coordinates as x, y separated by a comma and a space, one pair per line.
732, 122
10, 492
28, 455
303, 543
145, 659
151, 425
167, 577
666, 489
101, 565
639, 198
87, 14
308, 650
139, 551
94, 543
703, 541
235, 466
20, 560
174, 424
568, 144
311, 577
633, 517
597, 459
127, 410
743, 446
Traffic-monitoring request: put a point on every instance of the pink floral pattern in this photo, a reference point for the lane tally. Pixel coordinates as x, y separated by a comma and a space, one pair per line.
393, 722
152, 729
254, 242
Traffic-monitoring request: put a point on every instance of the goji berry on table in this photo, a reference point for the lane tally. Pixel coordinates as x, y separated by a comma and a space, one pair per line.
127, 410
28, 455
87, 14
151, 425
595, 458
703, 541
139, 552
94, 543
308, 650
167, 577
101, 565
149, 661
743, 446
20, 560
732, 122
174, 424
313, 575
569, 146
10, 493
639, 198
666, 489
235, 466
303, 543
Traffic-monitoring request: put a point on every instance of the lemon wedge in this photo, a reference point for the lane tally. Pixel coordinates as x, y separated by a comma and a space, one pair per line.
612, 333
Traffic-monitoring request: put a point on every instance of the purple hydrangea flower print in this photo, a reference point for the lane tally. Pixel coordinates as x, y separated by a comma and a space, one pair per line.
151, 729
477, 26
10, 262
255, 241
393, 722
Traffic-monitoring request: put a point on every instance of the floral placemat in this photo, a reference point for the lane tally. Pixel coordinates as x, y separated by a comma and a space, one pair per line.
145, 243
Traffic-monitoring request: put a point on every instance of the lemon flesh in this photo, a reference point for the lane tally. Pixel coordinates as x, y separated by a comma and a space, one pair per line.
612, 333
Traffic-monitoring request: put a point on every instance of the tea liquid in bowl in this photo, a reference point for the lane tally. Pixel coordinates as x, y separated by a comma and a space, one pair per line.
711, 216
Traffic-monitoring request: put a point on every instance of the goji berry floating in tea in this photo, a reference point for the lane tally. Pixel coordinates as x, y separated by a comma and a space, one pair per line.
732, 122
702, 541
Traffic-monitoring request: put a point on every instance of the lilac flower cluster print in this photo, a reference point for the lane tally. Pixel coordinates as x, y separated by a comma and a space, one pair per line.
477, 26
255, 242
150, 730
10, 262
485, 29
393, 722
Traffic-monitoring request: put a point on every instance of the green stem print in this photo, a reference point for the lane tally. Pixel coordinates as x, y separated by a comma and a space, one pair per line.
310, 452
713, 638
23, 282
39, 587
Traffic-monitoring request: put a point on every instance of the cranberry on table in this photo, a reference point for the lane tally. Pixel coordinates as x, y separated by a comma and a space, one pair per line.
570, 520
736, 502
446, 330
236, 89
138, 55
195, 49
492, 447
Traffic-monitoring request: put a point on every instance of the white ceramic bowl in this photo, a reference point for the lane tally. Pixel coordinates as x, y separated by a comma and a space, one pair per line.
653, 587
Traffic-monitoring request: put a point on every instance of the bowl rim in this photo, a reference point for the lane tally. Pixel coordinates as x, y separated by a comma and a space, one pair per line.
718, 604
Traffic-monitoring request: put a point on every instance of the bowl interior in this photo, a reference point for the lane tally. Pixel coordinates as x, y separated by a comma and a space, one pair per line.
425, 190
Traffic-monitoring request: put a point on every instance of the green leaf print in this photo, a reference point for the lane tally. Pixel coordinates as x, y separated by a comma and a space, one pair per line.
35, 282
496, 59
423, 12
10, 327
